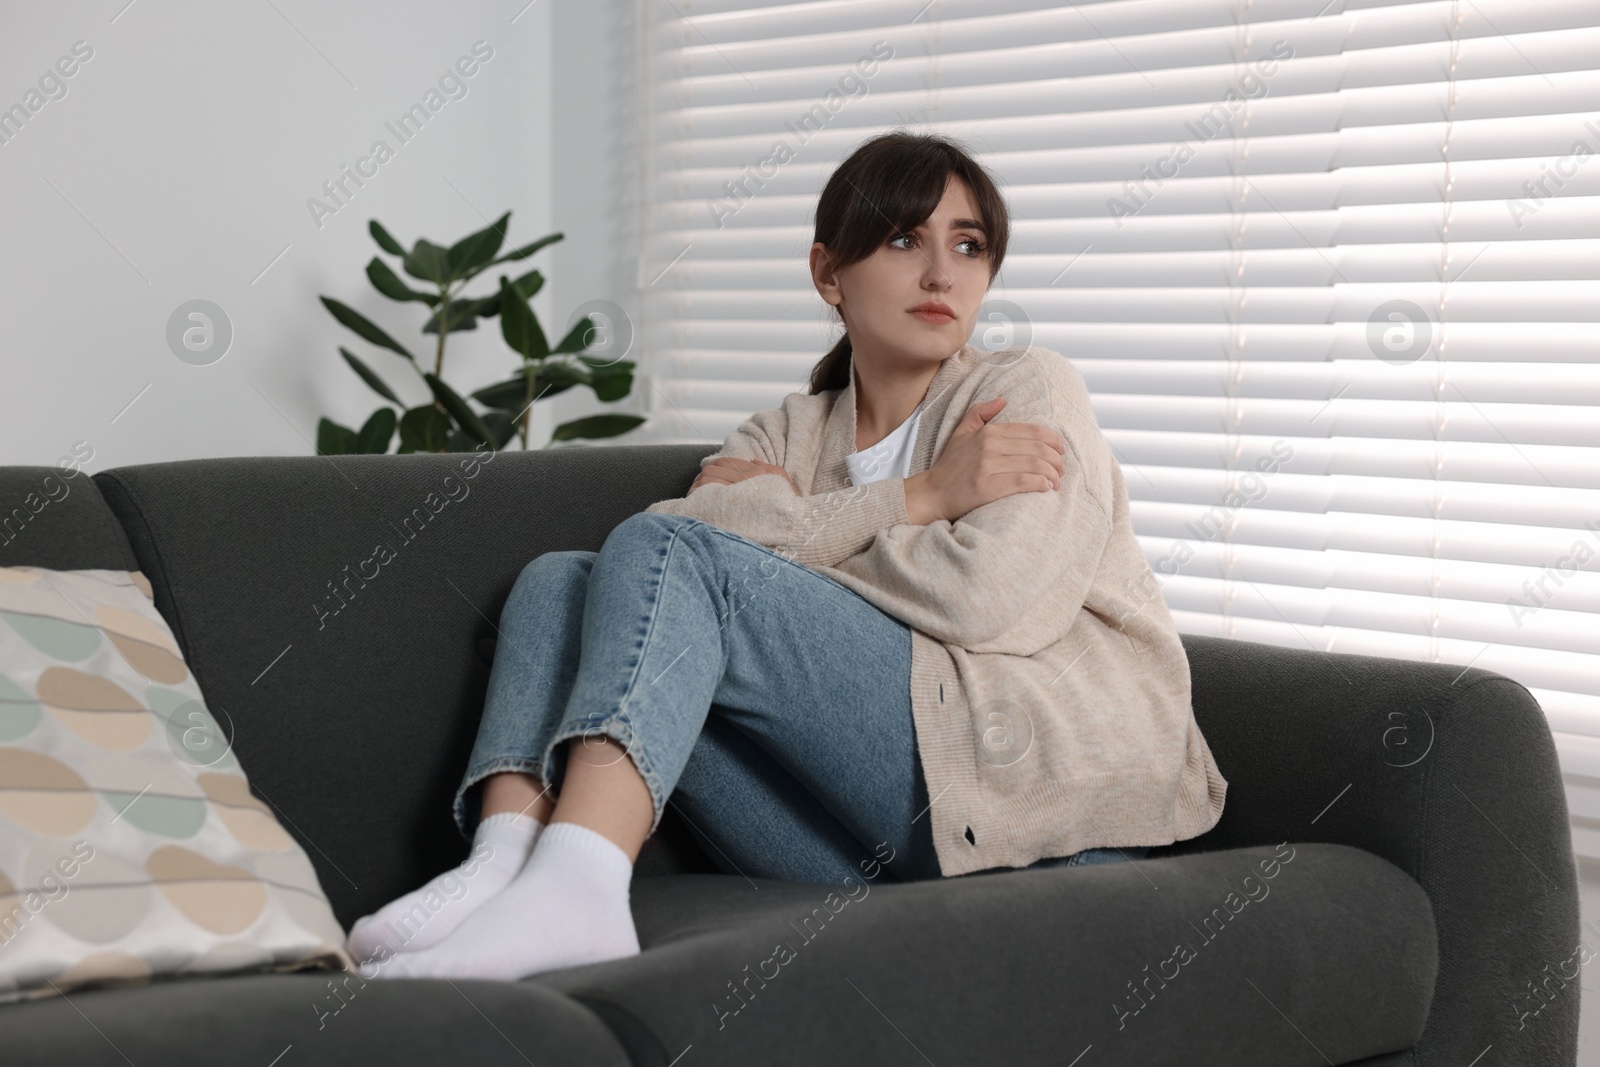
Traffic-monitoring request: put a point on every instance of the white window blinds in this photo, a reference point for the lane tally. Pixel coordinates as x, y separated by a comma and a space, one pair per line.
1329, 269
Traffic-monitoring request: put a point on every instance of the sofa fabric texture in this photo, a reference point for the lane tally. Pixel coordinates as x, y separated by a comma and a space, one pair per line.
1423, 896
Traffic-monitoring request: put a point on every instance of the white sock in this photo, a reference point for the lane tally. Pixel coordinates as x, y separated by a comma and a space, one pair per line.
568, 906
500, 847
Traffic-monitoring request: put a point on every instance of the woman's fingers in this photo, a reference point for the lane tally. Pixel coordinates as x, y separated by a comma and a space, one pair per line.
1030, 431
1042, 450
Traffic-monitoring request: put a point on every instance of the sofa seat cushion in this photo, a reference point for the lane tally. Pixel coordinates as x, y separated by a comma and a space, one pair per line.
1330, 959
303, 1020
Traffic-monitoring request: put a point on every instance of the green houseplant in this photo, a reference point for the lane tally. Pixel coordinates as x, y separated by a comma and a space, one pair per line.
447, 422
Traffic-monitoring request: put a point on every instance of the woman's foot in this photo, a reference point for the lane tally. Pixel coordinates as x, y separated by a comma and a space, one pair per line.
422, 918
568, 906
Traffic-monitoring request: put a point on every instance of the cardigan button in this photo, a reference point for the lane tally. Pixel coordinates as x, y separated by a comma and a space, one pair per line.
970, 839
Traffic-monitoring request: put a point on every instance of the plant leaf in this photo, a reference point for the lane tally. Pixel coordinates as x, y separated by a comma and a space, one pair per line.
429, 262
612, 382
476, 250
527, 250
509, 395
512, 395
423, 429
601, 366
333, 439
526, 286
385, 242
363, 326
503, 426
578, 338
565, 373
387, 282
499, 423
607, 425
519, 326
458, 316
468, 419
376, 432
369, 376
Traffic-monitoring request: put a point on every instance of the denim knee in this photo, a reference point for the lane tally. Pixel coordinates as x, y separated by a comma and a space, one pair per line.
648, 525
543, 563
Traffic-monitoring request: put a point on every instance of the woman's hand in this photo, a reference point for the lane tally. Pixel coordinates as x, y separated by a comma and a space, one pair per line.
985, 461
726, 470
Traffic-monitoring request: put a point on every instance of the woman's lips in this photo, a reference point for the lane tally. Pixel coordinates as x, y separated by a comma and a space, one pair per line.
936, 317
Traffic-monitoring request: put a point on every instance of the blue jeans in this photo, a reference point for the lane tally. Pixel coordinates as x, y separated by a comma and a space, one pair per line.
765, 701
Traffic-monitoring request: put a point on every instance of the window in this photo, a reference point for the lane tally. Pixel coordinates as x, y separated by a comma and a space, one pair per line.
1331, 271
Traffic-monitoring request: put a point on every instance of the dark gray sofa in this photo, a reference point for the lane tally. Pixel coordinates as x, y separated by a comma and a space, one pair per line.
1420, 913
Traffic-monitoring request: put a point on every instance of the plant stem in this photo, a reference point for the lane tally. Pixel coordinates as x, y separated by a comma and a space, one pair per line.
439, 321
527, 407
438, 359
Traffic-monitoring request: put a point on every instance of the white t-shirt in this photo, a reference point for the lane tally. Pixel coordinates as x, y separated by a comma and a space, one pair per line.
890, 457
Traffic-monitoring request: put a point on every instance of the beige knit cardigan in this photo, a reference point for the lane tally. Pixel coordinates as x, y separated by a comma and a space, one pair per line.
1049, 690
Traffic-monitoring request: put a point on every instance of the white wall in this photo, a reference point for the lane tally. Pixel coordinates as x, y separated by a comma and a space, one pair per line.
178, 165
595, 167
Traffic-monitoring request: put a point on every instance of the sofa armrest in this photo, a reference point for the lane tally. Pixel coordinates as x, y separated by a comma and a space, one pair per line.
1449, 774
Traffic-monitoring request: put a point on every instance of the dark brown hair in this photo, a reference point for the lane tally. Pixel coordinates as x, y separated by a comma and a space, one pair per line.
888, 185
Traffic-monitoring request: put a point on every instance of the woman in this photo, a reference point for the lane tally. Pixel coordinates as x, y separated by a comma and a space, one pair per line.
930, 646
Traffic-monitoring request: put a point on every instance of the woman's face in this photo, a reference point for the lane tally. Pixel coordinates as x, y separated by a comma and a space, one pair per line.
944, 260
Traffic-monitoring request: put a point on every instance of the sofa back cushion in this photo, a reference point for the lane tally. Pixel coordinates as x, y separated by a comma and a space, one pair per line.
340, 612
55, 517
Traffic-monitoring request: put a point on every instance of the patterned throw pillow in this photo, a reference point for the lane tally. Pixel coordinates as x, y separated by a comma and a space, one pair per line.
130, 843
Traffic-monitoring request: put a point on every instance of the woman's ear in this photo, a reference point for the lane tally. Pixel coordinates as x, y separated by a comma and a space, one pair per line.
823, 276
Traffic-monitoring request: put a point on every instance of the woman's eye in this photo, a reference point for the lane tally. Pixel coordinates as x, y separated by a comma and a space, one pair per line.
978, 247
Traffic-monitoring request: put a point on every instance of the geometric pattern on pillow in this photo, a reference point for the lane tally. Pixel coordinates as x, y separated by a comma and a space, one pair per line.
131, 846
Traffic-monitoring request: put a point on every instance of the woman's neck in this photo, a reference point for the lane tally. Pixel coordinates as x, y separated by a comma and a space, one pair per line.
886, 397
